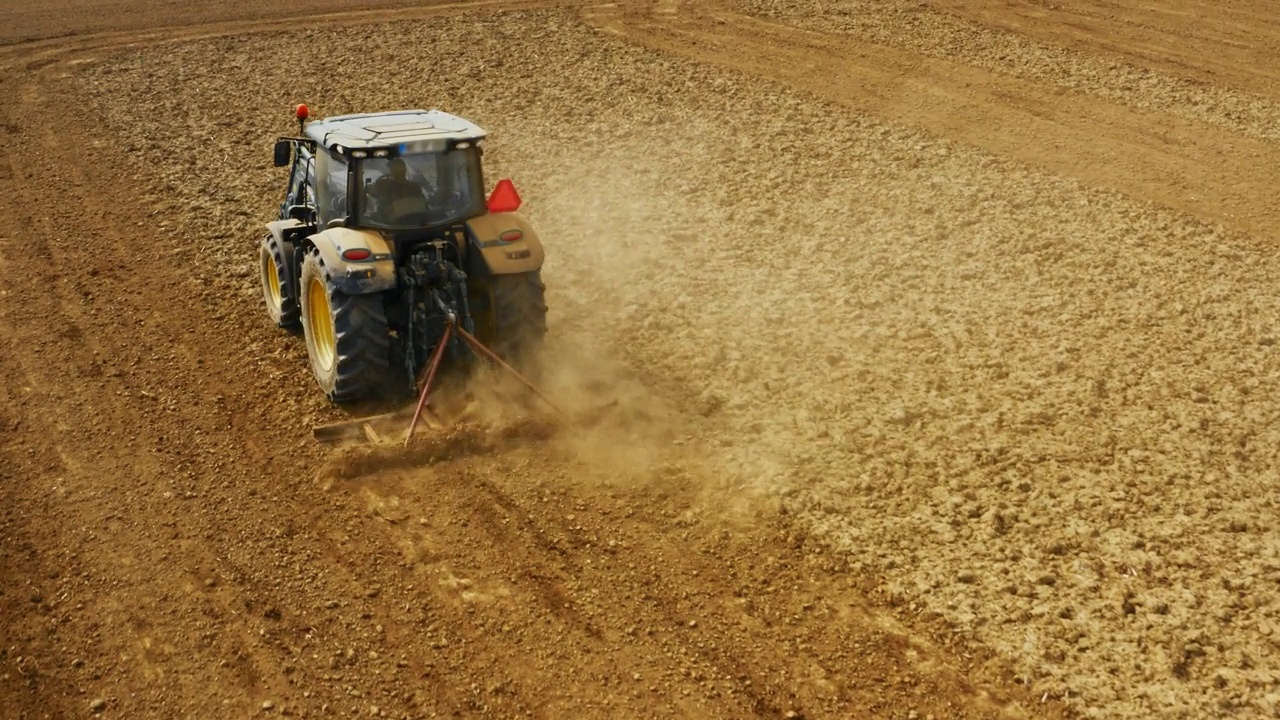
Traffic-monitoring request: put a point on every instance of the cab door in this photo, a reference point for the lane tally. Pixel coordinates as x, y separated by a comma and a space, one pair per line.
300, 199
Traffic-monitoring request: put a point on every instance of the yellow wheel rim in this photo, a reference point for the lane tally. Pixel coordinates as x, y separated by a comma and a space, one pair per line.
320, 322
273, 282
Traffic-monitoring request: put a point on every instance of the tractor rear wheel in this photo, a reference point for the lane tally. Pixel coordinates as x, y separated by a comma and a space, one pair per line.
347, 337
275, 263
512, 319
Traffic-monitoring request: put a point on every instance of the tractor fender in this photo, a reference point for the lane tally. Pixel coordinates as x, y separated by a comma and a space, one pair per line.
519, 252
286, 234
355, 277
284, 230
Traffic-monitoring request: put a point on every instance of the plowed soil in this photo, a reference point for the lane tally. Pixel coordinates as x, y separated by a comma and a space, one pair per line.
916, 359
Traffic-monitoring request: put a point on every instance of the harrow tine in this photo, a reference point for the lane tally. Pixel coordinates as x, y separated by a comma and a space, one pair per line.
433, 366
486, 352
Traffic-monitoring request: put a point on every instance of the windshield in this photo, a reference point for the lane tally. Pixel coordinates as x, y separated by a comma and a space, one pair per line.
412, 191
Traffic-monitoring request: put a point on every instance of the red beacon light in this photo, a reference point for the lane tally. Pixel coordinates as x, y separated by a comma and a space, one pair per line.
504, 198
302, 113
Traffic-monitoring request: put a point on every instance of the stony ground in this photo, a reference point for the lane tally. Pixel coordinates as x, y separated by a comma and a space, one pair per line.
920, 360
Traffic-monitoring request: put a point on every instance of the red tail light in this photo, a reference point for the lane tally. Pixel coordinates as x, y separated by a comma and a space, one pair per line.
511, 236
504, 198
356, 254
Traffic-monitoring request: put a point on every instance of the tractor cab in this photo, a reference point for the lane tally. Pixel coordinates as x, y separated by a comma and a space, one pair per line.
397, 172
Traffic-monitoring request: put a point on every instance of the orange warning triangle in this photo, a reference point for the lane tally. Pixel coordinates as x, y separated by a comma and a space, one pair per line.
504, 198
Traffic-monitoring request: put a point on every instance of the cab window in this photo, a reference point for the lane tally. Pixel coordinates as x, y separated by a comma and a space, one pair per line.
331, 171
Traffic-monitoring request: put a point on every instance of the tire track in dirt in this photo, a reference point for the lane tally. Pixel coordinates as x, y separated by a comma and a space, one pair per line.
1211, 42
104, 408
1034, 52
127, 20
637, 571
1189, 166
37, 53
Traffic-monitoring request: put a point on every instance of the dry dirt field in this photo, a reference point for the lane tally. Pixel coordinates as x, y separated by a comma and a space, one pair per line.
921, 360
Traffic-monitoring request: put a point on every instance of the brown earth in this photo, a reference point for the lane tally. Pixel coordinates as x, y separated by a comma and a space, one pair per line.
919, 360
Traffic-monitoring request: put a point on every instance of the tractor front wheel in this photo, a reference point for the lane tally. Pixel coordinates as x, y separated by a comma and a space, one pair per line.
347, 337
275, 263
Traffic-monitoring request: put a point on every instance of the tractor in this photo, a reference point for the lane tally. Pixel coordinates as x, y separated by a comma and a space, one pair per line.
385, 240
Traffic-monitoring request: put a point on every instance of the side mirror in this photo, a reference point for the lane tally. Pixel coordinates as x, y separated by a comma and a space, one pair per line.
284, 149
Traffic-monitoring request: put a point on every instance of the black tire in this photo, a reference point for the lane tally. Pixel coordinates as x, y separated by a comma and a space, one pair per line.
512, 319
275, 269
347, 339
